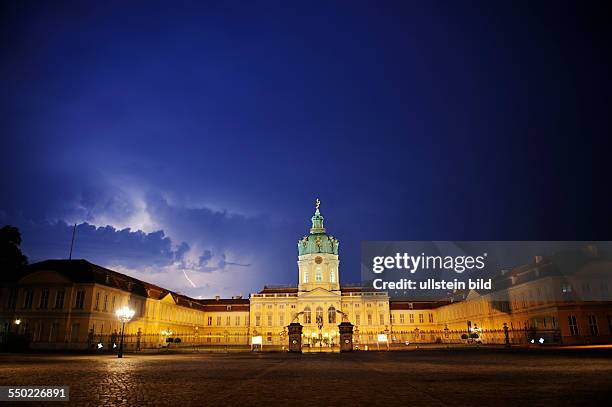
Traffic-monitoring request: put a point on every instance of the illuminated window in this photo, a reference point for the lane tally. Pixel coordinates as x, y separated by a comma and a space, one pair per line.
402, 319
392, 318
319, 314
331, 315
319, 275
307, 316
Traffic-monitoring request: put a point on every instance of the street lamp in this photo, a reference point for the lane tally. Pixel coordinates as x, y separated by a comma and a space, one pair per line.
17, 321
124, 314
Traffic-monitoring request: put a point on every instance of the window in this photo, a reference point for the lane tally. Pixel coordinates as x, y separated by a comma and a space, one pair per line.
29, 297
566, 288
44, 299
97, 306
113, 303
331, 315
306, 276
307, 316
281, 320
392, 318
431, 318
593, 325
59, 299
332, 276
228, 321
257, 320
369, 319
12, 299
269, 319
381, 319
319, 275
573, 325
402, 319
78, 301
357, 319
218, 321
421, 320
106, 302
319, 315
209, 322
238, 320
269, 337
411, 318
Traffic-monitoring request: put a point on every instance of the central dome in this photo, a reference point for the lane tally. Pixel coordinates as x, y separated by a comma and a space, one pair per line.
318, 241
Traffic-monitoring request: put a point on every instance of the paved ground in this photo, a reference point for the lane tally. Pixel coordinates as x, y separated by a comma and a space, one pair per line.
474, 377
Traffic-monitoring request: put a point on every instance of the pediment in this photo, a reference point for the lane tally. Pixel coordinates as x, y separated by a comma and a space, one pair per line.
168, 299
319, 292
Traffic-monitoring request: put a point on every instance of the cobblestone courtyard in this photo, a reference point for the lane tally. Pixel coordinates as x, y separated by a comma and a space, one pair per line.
423, 377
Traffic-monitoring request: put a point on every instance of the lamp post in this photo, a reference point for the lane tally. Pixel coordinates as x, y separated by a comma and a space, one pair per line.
124, 314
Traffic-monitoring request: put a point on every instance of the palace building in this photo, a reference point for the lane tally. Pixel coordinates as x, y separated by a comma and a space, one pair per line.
71, 304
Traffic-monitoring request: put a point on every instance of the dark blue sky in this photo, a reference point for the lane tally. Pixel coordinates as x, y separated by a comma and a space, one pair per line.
209, 128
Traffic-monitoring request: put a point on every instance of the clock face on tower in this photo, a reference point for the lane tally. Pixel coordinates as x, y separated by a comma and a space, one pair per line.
318, 260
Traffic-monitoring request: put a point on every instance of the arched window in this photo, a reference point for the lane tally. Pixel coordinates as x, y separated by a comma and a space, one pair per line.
319, 275
306, 276
319, 314
307, 316
332, 276
331, 315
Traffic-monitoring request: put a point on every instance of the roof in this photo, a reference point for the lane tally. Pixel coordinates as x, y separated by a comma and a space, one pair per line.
224, 305
84, 272
279, 289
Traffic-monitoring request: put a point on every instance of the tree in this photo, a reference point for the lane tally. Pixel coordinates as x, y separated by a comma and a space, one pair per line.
12, 262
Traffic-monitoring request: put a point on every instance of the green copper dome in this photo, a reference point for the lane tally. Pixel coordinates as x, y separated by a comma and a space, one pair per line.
318, 241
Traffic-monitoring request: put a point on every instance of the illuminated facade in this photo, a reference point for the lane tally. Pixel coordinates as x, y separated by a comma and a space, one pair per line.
62, 304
